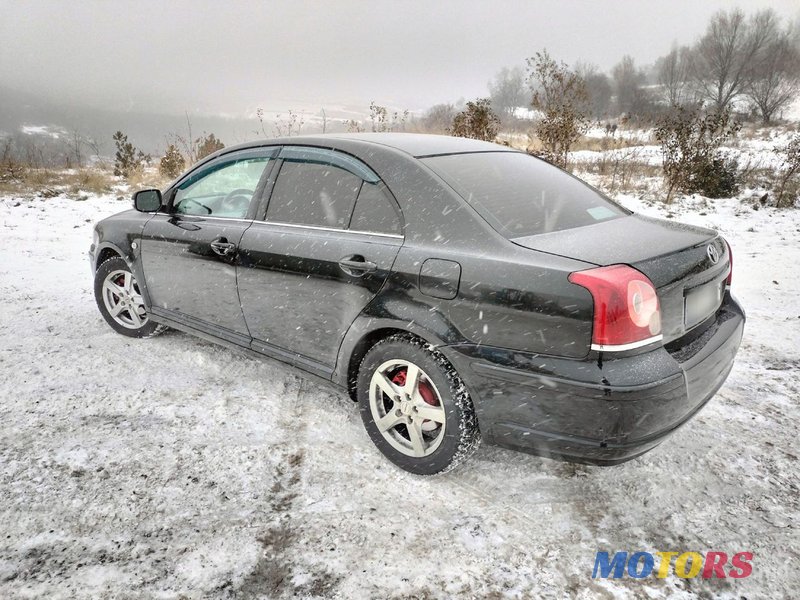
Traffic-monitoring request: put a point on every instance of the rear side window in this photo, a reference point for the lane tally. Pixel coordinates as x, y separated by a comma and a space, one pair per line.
314, 187
374, 211
520, 195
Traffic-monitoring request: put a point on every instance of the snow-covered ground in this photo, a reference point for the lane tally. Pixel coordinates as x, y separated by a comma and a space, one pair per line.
754, 148
171, 467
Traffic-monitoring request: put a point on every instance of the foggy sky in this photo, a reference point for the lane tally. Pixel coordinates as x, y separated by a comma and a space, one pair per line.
230, 57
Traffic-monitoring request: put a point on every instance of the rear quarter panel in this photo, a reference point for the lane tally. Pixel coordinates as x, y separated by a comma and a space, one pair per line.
519, 300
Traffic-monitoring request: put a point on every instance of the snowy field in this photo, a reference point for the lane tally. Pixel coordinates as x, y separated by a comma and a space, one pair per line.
173, 468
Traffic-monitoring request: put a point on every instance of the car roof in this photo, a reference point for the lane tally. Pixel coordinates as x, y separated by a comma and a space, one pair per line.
416, 144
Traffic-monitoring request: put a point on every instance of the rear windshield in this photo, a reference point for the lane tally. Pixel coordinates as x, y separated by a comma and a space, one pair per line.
520, 195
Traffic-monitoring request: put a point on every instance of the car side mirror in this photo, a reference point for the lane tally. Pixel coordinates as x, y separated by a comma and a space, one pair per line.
147, 200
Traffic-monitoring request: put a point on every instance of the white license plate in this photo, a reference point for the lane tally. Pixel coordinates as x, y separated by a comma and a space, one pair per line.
701, 302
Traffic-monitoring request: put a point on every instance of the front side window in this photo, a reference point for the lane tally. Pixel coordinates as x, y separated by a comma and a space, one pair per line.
226, 190
519, 195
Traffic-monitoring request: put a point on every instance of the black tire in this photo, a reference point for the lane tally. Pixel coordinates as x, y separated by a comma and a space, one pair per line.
460, 437
126, 324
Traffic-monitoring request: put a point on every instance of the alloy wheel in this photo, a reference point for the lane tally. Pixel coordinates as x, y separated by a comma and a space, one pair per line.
407, 408
123, 299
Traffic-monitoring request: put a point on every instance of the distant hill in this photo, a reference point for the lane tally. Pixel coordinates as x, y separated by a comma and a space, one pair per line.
29, 114
146, 130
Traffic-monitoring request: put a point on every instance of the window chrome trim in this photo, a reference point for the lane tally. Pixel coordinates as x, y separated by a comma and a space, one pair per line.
396, 236
333, 229
213, 217
216, 218
631, 346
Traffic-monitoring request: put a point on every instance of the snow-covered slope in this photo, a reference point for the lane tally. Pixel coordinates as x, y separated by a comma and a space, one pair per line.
171, 467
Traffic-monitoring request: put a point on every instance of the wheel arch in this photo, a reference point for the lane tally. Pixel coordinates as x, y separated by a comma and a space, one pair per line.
363, 336
108, 250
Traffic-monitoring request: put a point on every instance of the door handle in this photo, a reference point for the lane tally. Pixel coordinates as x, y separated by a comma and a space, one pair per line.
223, 247
357, 265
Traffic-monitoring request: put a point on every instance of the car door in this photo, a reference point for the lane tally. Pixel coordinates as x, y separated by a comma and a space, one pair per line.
317, 257
189, 252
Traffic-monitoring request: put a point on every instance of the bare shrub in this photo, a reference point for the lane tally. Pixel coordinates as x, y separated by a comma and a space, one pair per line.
354, 126
560, 95
381, 119
10, 168
477, 121
286, 127
787, 190
438, 118
690, 146
384, 120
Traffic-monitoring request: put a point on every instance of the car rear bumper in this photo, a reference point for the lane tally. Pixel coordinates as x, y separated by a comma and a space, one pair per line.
603, 409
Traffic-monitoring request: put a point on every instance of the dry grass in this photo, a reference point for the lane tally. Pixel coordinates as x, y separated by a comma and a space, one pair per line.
518, 141
753, 174
530, 143
623, 171
620, 172
147, 178
77, 184
90, 180
605, 143
758, 131
52, 182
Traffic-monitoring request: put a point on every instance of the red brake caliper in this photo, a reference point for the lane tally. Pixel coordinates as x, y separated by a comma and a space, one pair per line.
425, 390
121, 283
400, 377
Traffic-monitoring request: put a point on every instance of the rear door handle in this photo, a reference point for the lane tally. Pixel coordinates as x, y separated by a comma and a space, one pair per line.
223, 247
357, 265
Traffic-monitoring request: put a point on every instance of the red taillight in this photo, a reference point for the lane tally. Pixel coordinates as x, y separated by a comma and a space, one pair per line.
626, 310
730, 265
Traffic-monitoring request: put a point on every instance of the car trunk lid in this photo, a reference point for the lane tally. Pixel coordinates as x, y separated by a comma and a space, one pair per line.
674, 256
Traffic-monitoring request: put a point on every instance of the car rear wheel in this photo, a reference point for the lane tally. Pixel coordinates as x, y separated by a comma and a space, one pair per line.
415, 407
120, 300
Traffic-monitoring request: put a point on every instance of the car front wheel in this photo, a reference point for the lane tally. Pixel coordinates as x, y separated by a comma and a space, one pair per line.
120, 301
415, 407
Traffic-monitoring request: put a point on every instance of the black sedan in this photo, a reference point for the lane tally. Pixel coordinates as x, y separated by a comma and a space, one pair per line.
458, 290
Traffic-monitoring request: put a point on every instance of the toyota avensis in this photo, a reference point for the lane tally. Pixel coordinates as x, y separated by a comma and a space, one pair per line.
458, 290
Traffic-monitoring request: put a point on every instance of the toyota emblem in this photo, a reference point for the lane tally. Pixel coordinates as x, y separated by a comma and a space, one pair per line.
713, 254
